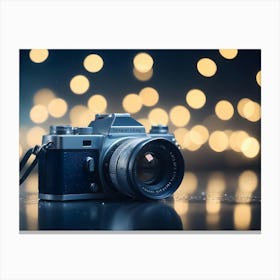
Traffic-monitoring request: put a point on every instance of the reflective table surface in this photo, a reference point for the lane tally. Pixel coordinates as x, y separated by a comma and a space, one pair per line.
205, 201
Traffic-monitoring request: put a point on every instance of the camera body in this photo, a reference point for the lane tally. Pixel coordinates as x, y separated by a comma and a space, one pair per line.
113, 157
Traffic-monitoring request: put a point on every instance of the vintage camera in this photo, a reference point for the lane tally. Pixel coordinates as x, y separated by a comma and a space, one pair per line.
113, 157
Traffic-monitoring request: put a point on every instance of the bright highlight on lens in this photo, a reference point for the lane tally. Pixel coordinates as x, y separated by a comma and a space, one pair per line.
158, 116
146, 123
93, 63
143, 62
258, 78
97, 104
228, 53
250, 147
143, 76
81, 115
38, 56
179, 115
236, 139
43, 96
79, 84
242, 216
224, 110
132, 103
57, 108
34, 136
38, 114
196, 98
149, 96
218, 141
206, 67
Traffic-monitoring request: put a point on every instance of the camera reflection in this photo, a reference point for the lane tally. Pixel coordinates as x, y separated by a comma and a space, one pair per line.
95, 215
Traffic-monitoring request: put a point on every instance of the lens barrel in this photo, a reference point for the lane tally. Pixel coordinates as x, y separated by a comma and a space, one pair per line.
146, 168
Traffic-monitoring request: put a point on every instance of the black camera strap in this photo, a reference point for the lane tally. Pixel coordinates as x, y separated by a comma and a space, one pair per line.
33, 151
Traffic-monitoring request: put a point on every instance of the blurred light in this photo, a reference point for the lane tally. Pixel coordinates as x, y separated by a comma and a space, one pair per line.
43, 96
189, 144
132, 103
202, 132
20, 150
81, 115
179, 115
250, 147
228, 53
196, 98
97, 103
218, 141
206, 67
57, 108
145, 123
213, 206
38, 56
158, 116
93, 63
79, 84
143, 62
38, 113
242, 216
212, 219
181, 207
252, 111
187, 187
34, 136
216, 185
149, 96
236, 139
31, 212
240, 106
31, 183
224, 110
258, 78
143, 76
247, 181
179, 134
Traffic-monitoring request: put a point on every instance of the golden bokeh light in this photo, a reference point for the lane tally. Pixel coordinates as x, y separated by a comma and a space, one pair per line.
158, 116
57, 108
146, 123
252, 111
218, 141
43, 96
206, 67
228, 53
195, 98
248, 181
181, 207
34, 136
93, 63
149, 96
258, 78
250, 147
81, 115
132, 103
143, 76
79, 84
179, 134
188, 186
189, 144
38, 56
31, 213
199, 134
213, 206
236, 139
97, 104
224, 110
216, 185
179, 115
242, 216
240, 106
20, 150
31, 183
38, 113
143, 62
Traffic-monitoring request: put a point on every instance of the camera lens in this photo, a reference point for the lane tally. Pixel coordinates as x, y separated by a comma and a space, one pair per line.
146, 168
